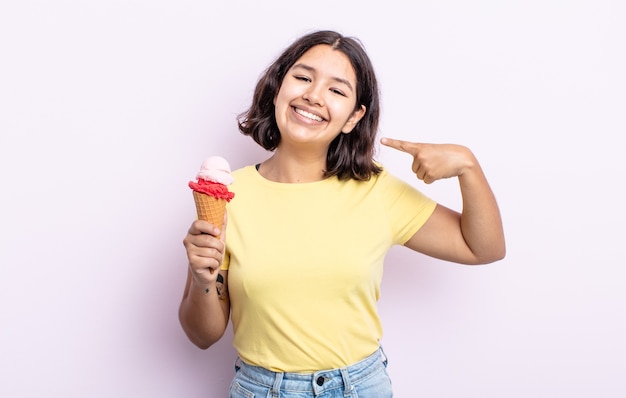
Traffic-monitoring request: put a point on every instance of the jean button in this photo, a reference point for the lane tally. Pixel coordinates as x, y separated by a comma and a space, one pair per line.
320, 381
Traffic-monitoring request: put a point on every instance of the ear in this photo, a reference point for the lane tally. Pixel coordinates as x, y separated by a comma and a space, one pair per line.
354, 119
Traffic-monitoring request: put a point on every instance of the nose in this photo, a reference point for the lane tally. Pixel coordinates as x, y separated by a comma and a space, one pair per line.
313, 95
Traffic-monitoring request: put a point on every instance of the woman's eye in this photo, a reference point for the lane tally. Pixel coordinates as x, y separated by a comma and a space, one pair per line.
302, 78
334, 90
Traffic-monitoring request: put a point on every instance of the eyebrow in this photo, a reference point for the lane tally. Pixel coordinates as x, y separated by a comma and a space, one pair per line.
312, 69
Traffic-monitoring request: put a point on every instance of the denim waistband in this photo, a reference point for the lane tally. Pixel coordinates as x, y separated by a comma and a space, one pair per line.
316, 382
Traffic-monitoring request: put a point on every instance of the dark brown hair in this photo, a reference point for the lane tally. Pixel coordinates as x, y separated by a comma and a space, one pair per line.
349, 155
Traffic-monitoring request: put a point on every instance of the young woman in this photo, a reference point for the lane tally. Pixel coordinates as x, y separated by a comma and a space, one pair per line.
309, 228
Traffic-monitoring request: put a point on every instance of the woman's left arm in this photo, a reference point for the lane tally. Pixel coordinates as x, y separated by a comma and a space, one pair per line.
474, 236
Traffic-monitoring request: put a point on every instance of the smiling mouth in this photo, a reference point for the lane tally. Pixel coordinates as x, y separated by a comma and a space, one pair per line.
308, 115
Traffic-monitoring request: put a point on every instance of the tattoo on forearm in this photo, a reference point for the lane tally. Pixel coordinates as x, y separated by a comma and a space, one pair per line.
222, 289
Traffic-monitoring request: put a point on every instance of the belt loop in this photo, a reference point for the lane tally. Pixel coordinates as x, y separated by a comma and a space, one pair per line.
384, 356
275, 391
347, 386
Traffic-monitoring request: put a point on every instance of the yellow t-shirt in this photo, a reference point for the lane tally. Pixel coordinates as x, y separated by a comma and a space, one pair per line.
305, 263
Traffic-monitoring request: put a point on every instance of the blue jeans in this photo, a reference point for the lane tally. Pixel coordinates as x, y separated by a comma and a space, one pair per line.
365, 379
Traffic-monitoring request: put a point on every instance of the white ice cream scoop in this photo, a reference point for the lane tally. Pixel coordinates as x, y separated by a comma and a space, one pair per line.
216, 169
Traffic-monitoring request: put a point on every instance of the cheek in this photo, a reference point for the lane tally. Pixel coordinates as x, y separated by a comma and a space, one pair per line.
280, 93
281, 98
280, 105
342, 112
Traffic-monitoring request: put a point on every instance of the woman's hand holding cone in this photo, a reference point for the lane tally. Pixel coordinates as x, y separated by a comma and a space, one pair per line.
205, 250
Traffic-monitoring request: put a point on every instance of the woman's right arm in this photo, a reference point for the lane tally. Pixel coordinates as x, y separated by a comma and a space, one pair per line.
205, 307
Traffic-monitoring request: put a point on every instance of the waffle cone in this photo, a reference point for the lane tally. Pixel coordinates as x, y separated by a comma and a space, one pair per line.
210, 208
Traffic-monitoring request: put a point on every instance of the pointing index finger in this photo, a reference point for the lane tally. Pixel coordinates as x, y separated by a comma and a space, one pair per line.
400, 145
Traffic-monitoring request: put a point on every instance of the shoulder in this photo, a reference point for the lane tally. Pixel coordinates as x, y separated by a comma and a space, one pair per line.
385, 177
243, 174
243, 179
393, 186
243, 171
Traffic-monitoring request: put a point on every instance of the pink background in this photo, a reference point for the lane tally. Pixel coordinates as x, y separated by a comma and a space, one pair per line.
107, 109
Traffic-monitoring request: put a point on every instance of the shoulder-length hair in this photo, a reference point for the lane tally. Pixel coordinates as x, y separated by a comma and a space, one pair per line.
350, 156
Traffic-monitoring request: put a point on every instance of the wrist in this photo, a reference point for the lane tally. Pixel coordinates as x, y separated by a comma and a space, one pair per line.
468, 162
202, 286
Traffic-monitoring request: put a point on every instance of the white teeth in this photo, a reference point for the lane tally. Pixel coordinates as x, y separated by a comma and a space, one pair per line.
308, 115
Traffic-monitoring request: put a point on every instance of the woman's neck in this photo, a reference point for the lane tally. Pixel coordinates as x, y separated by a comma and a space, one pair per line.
286, 168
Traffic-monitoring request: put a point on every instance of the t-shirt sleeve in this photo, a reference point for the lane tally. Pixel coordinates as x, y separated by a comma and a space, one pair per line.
225, 261
408, 209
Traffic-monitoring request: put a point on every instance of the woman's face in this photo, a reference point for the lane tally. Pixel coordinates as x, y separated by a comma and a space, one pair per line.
316, 100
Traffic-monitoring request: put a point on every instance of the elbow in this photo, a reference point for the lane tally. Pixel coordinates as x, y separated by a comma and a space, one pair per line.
495, 255
202, 345
485, 255
495, 258
200, 335
500, 252
203, 342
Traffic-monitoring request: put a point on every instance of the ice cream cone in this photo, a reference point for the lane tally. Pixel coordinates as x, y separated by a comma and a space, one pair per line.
210, 208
